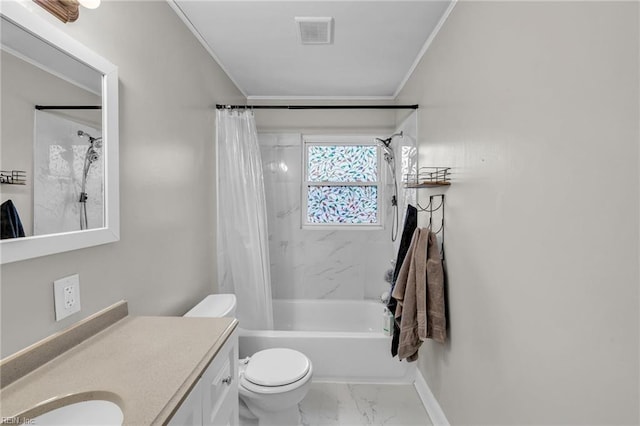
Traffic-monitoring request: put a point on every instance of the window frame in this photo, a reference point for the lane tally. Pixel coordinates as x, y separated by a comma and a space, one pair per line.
338, 140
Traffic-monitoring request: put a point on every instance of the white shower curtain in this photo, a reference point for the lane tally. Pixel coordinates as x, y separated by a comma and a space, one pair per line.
243, 247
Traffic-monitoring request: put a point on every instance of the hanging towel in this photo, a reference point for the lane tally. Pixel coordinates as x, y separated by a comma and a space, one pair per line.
410, 294
410, 225
436, 312
10, 224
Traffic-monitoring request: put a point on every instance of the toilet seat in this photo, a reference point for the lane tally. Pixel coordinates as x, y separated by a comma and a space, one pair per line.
275, 370
276, 367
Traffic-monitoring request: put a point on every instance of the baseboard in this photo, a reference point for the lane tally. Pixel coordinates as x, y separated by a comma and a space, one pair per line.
429, 401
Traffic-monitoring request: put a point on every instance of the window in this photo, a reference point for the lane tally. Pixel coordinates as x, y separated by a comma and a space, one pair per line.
342, 184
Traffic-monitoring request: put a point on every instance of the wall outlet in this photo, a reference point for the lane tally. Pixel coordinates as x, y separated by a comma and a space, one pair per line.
66, 295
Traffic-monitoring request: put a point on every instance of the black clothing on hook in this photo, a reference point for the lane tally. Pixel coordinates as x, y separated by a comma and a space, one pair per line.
410, 225
10, 224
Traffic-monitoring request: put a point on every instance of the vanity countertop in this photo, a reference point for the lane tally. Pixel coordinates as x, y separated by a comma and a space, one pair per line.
147, 365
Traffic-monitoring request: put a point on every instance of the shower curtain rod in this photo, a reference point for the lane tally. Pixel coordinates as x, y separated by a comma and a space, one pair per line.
43, 107
218, 106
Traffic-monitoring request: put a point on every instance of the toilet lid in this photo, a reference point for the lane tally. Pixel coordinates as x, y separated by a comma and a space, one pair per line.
276, 367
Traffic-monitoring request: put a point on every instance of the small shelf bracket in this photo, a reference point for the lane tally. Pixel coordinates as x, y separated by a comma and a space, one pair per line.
13, 177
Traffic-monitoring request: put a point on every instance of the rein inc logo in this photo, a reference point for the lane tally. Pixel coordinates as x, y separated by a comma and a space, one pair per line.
17, 421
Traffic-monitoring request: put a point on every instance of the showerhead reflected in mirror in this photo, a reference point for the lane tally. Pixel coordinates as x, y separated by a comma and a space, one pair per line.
68, 188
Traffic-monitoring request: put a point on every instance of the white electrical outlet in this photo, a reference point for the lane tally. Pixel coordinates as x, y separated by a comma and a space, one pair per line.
66, 295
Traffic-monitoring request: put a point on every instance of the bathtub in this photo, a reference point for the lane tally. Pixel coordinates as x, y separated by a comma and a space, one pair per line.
343, 339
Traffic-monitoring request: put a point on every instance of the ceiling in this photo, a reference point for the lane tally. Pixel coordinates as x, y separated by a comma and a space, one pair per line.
376, 45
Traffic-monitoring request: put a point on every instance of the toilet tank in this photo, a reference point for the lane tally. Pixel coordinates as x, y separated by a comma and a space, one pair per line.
215, 306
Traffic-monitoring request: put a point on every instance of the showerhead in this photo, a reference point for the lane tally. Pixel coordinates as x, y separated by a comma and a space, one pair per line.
388, 153
92, 156
387, 142
96, 142
384, 142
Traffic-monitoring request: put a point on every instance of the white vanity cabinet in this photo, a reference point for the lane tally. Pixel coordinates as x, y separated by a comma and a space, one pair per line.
190, 412
214, 399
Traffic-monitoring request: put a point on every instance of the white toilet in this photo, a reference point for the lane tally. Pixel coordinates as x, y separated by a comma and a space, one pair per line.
272, 382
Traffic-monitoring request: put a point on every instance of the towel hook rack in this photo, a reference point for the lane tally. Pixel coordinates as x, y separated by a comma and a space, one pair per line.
431, 209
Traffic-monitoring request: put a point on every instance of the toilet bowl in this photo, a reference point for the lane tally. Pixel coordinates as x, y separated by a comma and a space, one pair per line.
272, 382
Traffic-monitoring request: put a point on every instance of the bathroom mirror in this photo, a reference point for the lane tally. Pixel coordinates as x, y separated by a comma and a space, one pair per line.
60, 133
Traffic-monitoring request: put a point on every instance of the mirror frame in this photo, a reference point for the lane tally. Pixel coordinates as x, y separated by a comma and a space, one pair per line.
13, 250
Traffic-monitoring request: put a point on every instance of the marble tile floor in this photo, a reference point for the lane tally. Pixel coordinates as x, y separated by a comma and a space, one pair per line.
347, 404
362, 404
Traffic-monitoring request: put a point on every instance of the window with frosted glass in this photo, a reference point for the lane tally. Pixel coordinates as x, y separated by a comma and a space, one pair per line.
342, 163
341, 184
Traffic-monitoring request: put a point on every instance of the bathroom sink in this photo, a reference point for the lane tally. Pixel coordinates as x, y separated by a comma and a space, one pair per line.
86, 413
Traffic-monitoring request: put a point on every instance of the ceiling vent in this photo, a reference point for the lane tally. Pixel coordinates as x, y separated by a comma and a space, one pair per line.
313, 30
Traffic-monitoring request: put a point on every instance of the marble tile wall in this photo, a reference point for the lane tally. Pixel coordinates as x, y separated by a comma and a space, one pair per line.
316, 264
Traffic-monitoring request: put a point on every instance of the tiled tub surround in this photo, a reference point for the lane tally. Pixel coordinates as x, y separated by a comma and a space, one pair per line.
317, 264
114, 364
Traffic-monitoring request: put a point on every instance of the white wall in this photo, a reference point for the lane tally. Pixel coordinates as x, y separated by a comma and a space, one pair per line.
535, 107
164, 262
324, 121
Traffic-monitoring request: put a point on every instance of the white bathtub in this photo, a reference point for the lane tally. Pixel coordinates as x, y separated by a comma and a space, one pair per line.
343, 339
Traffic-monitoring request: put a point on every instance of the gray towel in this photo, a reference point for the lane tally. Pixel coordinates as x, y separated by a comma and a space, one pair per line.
410, 292
436, 314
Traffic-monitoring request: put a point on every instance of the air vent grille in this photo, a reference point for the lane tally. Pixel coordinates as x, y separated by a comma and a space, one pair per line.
313, 30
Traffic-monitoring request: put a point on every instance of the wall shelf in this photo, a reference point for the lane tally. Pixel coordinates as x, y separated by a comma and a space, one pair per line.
428, 177
13, 177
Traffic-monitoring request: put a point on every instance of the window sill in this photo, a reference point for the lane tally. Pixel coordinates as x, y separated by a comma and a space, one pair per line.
346, 227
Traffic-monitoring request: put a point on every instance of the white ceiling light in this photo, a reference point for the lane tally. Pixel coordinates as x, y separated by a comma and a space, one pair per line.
315, 30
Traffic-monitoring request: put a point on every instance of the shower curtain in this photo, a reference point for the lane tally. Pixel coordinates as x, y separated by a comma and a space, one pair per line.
243, 246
